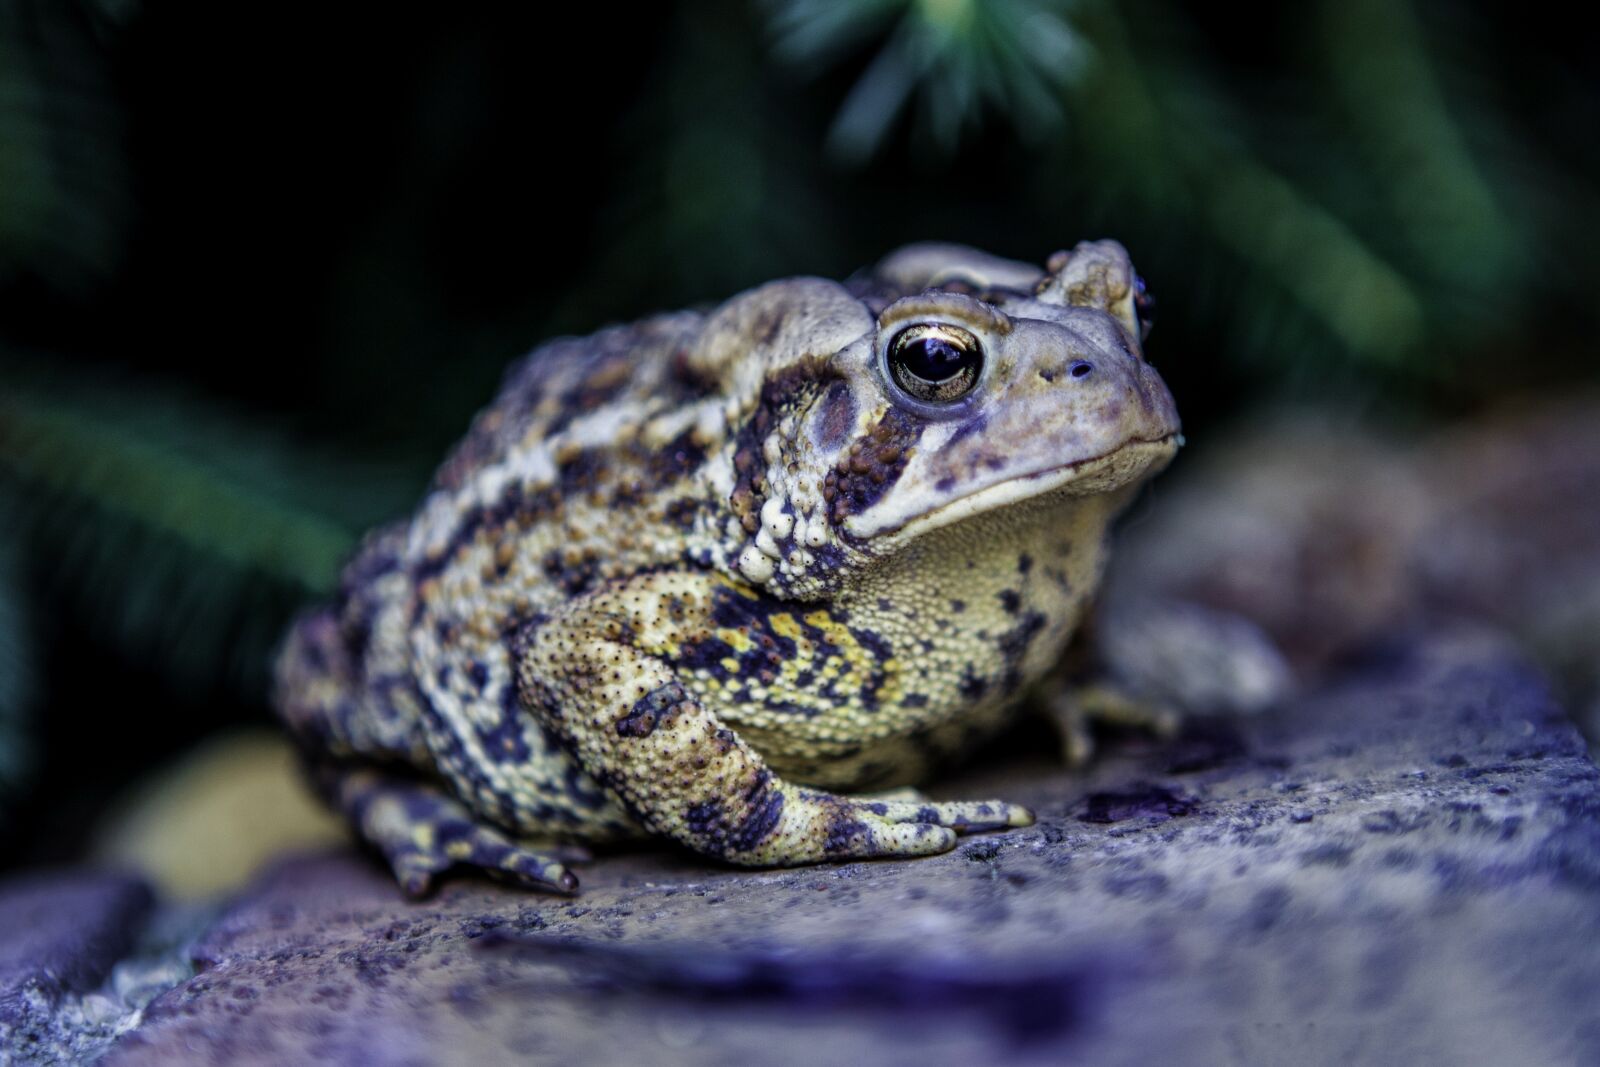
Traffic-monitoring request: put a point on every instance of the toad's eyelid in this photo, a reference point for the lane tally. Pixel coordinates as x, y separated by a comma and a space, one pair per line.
947, 331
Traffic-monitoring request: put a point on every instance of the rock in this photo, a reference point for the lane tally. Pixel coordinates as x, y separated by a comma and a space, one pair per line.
1402, 867
1301, 522
1327, 532
60, 936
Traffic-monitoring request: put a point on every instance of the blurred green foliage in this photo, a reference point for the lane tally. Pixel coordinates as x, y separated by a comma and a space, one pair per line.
1344, 196
63, 186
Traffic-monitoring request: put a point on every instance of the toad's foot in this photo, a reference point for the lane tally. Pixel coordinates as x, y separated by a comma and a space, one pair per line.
423, 833
1075, 710
873, 826
968, 816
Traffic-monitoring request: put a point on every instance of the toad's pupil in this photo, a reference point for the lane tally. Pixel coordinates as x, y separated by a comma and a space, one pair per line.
933, 359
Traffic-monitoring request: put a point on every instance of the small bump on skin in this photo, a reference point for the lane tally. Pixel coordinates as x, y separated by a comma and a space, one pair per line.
778, 522
679, 567
755, 565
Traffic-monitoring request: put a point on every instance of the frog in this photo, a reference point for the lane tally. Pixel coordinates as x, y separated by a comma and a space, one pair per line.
740, 578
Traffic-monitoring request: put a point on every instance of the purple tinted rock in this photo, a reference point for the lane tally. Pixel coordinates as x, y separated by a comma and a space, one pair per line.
60, 935
1404, 867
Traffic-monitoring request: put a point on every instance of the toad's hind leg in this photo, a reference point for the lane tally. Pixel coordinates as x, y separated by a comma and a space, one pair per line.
600, 676
423, 832
365, 748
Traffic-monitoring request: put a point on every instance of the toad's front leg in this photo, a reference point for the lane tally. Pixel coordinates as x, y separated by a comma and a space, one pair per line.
600, 675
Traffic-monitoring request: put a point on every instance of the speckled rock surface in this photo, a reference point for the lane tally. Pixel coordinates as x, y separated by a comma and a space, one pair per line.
1402, 868
60, 936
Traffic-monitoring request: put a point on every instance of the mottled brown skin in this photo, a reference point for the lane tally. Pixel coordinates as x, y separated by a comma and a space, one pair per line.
689, 577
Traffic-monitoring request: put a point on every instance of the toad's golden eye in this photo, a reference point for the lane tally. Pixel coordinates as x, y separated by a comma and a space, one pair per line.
935, 362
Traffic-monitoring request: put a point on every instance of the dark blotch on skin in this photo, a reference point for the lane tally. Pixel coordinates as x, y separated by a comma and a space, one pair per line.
768, 324
706, 655
682, 456
691, 382
786, 390
578, 787
505, 742
1014, 646
515, 508
584, 471
650, 710
682, 512
873, 642
599, 385
872, 466
976, 424
704, 819
843, 829
835, 417
573, 578
1010, 600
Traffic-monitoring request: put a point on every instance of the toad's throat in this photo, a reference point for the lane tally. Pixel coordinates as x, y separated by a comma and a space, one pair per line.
1129, 462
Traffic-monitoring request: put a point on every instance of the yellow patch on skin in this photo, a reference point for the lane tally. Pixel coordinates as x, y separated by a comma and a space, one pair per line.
738, 640
784, 625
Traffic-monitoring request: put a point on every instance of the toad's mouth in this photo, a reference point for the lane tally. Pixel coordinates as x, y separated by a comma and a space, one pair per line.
1128, 463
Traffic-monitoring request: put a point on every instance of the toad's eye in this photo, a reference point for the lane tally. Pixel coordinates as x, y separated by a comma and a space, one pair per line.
1144, 306
935, 362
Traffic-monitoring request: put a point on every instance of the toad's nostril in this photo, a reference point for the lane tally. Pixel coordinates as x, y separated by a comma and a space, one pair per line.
1081, 368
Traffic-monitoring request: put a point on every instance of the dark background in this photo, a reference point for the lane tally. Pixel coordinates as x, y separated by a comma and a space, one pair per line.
260, 264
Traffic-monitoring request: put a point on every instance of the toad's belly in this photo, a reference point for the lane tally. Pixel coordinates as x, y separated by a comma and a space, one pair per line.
855, 712
876, 762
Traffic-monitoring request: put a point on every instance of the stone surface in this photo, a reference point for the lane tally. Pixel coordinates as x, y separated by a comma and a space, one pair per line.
1403, 867
1327, 531
60, 936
